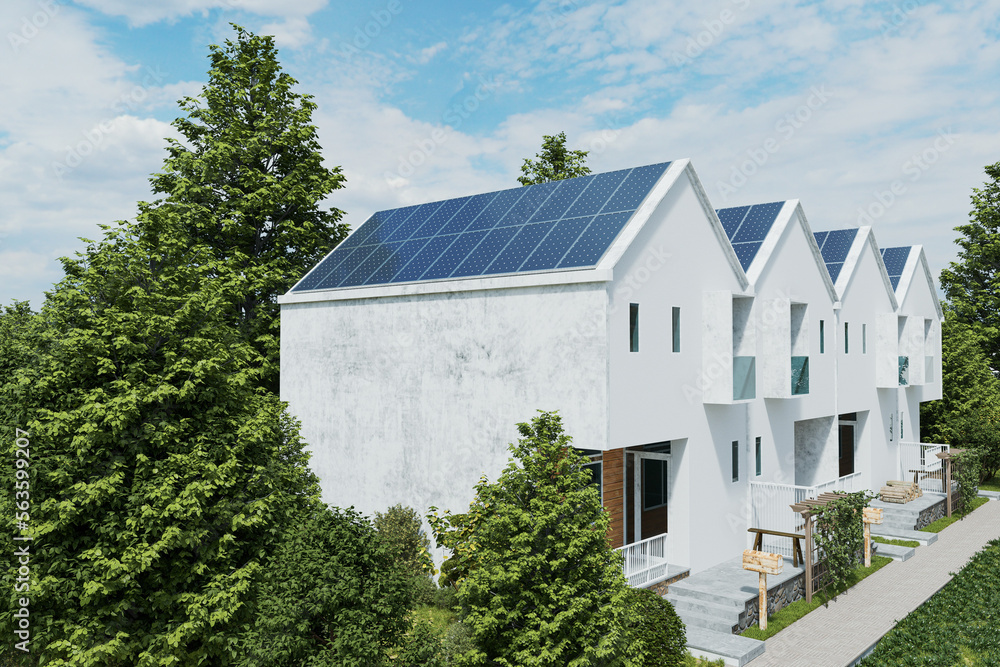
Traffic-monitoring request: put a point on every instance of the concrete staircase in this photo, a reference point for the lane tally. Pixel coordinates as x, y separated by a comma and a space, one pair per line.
899, 520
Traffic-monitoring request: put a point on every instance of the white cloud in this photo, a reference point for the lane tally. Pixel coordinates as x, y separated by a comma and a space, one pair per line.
424, 56
143, 13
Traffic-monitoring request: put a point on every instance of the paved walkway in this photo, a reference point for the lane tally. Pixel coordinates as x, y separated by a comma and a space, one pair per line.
837, 635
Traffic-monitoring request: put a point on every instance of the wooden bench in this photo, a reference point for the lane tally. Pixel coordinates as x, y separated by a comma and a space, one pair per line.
796, 544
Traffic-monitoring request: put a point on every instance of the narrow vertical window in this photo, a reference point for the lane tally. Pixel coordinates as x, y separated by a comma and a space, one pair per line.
675, 323
864, 339
633, 327
846, 345
756, 447
822, 338
736, 460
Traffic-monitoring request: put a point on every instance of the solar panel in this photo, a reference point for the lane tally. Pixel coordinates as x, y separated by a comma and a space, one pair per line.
747, 227
835, 246
895, 261
731, 218
563, 224
745, 252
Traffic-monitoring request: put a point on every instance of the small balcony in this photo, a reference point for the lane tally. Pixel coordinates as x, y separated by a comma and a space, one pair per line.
800, 376
744, 378
645, 562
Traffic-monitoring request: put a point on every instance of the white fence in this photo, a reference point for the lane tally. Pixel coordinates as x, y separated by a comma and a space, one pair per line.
770, 508
921, 457
645, 562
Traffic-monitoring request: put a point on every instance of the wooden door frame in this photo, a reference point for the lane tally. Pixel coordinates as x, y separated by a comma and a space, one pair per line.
637, 488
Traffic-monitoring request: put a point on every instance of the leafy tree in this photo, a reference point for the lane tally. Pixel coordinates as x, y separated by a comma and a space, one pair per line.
160, 476
968, 414
332, 596
400, 528
654, 633
554, 163
247, 182
545, 587
972, 284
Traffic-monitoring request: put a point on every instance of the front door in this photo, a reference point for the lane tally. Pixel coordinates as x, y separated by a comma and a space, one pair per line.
846, 449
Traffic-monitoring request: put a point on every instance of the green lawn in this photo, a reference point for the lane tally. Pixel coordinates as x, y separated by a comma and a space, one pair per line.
898, 543
992, 484
797, 610
946, 521
959, 625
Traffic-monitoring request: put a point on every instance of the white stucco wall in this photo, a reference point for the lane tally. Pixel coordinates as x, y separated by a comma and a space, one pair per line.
411, 399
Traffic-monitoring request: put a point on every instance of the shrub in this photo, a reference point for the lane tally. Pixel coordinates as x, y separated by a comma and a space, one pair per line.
654, 633
424, 590
446, 597
457, 641
331, 596
421, 648
400, 529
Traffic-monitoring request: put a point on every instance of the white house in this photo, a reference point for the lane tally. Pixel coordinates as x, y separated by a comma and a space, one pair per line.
695, 355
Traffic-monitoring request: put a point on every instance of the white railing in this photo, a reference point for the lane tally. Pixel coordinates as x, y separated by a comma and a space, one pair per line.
645, 562
770, 508
922, 457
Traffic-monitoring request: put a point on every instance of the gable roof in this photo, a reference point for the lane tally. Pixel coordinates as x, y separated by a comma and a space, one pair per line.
555, 226
842, 250
901, 264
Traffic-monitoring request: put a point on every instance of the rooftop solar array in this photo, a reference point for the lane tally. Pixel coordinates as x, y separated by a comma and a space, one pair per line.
895, 262
834, 247
567, 224
746, 227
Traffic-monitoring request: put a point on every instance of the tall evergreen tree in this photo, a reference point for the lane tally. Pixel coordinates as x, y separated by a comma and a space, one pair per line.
554, 163
972, 283
248, 181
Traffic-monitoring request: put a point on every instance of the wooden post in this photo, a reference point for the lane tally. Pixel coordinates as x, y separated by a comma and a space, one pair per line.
947, 484
809, 559
762, 563
869, 516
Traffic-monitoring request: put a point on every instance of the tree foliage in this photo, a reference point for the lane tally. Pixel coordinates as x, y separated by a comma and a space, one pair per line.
160, 474
654, 633
972, 283
544, 587
332, 596
400, 528
554, 163
247, 182
839, 536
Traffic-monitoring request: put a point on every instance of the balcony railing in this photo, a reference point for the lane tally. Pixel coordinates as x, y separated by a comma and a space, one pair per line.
645, 562
904, 371
744, 378
921, 457
800, 376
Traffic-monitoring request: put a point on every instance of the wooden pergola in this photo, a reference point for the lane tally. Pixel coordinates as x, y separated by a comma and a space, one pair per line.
806, 509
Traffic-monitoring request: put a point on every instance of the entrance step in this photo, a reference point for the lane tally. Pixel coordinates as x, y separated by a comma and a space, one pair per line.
706, 618
734, 599
896, 552
734, 649
899, 534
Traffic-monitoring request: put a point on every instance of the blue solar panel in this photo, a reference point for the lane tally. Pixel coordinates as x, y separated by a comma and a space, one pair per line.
838, 244
595, 240
731, 219
555, 225
745, 252
834, 269
895, 261
454, 255
820, 238
758, 222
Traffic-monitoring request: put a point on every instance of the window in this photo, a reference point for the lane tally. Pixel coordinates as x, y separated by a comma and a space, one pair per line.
736, 460
633, 327
822, 338
756, 447
675, 323
846, 346
654, 483
864, 339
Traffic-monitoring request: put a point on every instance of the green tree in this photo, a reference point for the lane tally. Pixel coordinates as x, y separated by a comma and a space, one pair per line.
654, 633
972, 283
160, 475
332, 596
968, 414
247, 182
399, 527
554, 163
545, 587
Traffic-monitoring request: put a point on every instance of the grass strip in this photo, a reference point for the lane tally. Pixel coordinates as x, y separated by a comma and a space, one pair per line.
793, 612
992, 484
958, 625
946, 521
898, 543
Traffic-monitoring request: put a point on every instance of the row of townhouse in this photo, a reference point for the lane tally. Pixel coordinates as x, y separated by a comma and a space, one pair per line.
694, 354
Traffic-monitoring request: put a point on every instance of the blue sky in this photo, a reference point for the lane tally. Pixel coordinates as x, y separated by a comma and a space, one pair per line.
868, 112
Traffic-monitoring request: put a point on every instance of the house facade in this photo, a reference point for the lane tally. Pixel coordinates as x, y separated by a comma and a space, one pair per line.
695, 355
